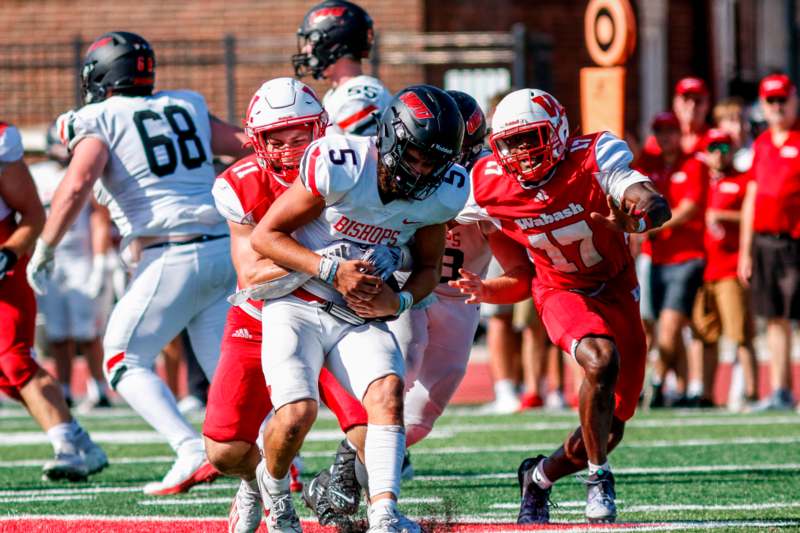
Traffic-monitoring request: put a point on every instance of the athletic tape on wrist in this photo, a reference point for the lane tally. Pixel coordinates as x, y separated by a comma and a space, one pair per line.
327, 269
406, 301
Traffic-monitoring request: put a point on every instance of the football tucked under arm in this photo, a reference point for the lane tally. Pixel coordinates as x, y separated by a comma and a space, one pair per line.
279, 281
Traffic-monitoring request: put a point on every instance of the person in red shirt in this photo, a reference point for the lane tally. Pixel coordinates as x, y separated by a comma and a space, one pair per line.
722, 304
770, 237
570, 202
690, 106
238, 399
675, 250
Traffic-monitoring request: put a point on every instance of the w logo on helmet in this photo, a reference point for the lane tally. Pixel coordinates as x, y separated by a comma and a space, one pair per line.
474, 121
547, 103
320, 14
416, 105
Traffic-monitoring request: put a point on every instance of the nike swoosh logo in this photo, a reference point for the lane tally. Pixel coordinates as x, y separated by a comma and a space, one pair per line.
406, 221
350, 500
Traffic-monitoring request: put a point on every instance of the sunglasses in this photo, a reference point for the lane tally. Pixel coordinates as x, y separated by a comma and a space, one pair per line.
723, 148
776, 100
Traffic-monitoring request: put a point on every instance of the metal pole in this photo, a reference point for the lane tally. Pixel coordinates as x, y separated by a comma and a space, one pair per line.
77, 58
518, 70
230, 76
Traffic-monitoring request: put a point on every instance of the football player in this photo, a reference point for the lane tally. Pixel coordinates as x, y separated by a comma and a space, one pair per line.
154, 153
334, 38
571, 201
372, 195
283, 118
70, 309
21, 220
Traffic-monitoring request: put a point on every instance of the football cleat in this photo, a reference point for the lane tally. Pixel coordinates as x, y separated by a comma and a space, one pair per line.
246, 510
281, 516
65, 465
534, 506
530, 401
315, 496
186, 472
391, 520
93, 455
344, 492
600, 495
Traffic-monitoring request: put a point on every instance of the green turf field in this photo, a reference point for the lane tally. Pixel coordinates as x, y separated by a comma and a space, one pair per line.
675, 470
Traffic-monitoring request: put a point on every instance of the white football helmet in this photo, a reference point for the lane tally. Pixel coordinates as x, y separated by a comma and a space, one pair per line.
279, 104
529, 135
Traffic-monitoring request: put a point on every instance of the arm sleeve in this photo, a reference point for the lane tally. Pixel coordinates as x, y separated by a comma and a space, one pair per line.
10, 144
613, 159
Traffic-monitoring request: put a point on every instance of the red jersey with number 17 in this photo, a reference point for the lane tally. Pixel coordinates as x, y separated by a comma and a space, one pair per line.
568, 248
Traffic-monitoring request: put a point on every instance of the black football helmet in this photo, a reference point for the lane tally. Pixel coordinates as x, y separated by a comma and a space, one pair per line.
428, 119
121, 62
332, 29
474, 127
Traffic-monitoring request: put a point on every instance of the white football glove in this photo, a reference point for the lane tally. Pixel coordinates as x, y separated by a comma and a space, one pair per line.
40, 267
388, 259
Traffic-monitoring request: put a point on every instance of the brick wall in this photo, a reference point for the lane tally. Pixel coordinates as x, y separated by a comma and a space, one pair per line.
36, 95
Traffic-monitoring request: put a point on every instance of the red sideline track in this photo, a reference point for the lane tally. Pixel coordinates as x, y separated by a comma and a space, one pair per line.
89, 524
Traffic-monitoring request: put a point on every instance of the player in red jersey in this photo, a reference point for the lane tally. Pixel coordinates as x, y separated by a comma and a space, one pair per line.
570, 201
283, 118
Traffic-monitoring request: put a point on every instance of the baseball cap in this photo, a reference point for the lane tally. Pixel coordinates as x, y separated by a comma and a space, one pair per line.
664, 120
716, 135
691, 85
775, 85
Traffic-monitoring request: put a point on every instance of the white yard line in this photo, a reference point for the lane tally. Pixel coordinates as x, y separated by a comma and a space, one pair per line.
570, 505
46, 498
227, 500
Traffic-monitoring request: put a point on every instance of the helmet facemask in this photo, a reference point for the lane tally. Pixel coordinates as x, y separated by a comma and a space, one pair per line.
284, 160
528, 152
402, 177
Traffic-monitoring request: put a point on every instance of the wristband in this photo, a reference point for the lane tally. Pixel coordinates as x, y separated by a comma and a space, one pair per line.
327, 269
406, 301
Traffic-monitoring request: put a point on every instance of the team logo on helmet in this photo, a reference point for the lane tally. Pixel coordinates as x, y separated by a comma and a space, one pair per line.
416, 105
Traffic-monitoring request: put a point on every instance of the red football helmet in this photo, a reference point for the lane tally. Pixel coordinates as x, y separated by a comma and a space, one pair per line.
529, 135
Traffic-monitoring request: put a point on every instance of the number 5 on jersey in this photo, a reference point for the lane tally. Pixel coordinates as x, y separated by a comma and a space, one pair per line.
160, 150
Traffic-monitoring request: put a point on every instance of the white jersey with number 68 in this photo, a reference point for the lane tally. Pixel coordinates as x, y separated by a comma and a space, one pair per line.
159, 175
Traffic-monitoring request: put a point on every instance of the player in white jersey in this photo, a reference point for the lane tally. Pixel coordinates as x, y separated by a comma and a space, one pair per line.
153, 151
21, 220
333, 39
375, 195
70, 308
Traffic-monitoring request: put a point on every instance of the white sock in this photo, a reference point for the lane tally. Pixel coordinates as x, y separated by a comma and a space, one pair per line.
384, 449
695, 388
593, 468
540, 478
149, 396
62, 436
504, 388
275, 486
252, 484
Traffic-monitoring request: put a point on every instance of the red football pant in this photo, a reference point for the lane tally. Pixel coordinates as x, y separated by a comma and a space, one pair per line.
238, 399
569, 316
17, 323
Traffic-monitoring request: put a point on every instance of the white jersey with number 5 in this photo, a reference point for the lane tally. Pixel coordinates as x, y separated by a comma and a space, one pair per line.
343, 170
351, 105
159, 175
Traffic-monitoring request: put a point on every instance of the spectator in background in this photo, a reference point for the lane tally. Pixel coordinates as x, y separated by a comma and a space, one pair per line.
722, 304
690, 106
675, 250
70, 307
770, 239
729, 117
